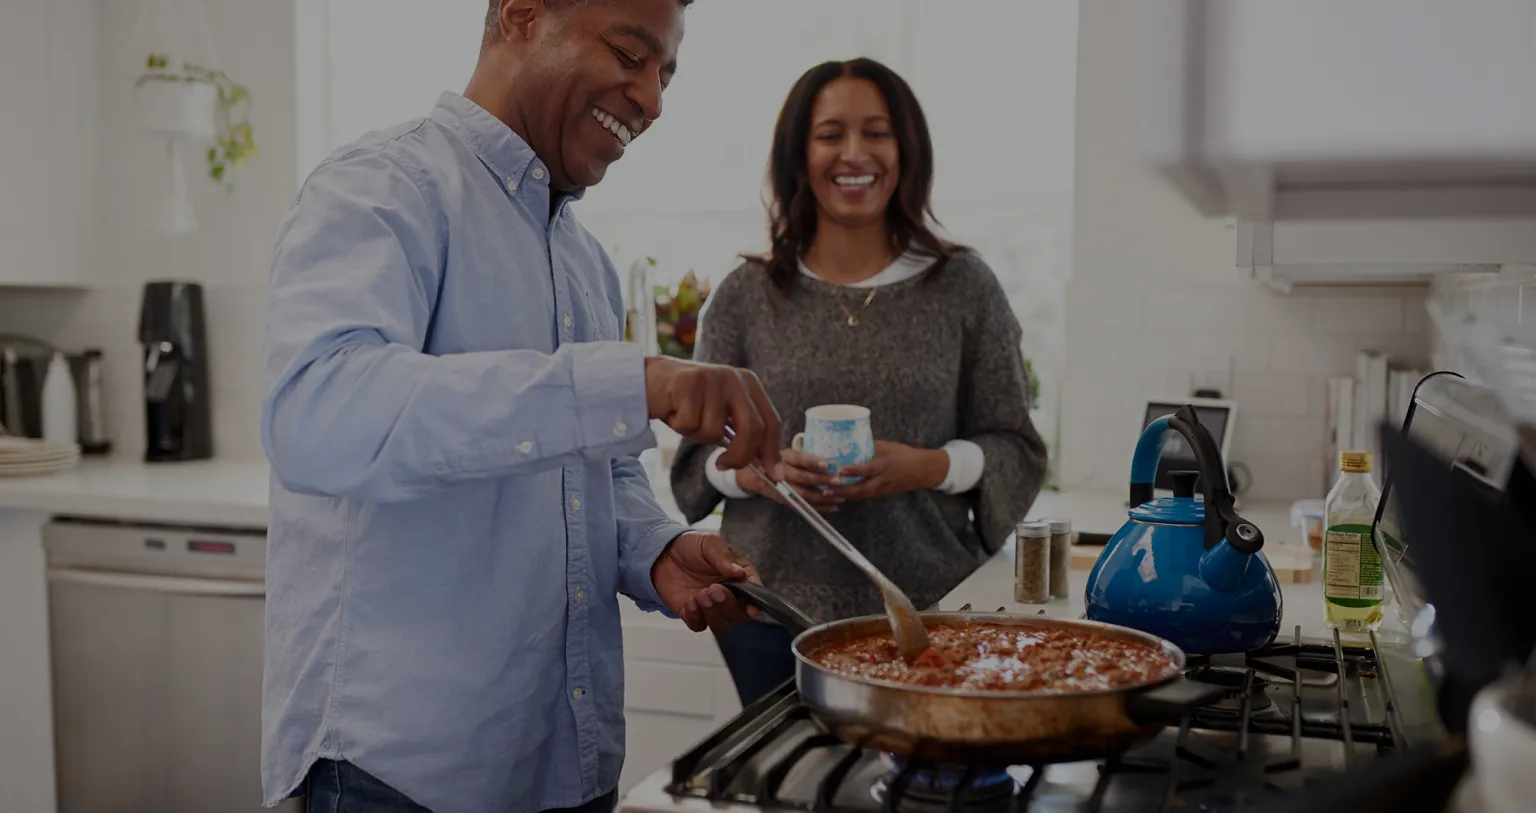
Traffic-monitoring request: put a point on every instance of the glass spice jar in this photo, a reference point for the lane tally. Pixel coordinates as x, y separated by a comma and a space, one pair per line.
1061, 558
1032, 562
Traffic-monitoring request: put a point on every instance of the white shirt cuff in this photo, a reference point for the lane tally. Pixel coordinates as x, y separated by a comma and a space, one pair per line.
966, 462
725, 481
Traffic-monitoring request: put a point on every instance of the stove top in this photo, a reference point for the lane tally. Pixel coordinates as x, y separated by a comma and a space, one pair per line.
1295, 714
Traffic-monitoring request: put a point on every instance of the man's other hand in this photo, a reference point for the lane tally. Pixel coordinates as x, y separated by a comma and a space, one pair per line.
687, 577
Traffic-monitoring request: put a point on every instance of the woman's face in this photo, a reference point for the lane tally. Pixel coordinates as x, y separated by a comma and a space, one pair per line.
852, 155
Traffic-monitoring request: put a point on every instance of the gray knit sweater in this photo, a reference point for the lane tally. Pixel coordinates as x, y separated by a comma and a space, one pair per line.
935, 358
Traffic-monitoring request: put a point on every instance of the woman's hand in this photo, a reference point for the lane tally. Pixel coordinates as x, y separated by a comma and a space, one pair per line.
896, 468
805, 473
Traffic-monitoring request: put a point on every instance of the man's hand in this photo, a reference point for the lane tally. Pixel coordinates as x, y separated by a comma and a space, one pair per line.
686, 577
896, 468
699, 400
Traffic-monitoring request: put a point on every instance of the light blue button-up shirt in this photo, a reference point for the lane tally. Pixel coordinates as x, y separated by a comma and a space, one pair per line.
452, 417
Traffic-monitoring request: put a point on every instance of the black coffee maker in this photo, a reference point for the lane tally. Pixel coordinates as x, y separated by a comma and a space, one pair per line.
176, 387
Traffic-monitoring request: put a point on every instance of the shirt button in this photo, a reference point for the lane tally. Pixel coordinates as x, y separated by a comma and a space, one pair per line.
538, 173
620, 428
525, 447
578, 594
511, 185
576, 693
567, 320
575, 503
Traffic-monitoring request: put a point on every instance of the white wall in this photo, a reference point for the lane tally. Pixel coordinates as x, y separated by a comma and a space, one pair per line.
230, 252
1155, 296
689, 193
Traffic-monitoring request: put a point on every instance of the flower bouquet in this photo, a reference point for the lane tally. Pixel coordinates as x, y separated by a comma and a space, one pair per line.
677, 315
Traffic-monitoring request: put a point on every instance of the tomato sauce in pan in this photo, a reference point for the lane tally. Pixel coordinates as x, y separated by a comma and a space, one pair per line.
979, 656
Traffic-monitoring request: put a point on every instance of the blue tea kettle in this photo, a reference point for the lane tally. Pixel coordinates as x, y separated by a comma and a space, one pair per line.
1184, 569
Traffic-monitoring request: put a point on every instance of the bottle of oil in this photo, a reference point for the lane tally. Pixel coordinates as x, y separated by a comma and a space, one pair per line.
1352, 572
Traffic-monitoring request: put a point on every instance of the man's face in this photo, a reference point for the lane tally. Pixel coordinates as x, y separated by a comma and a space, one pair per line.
593, 81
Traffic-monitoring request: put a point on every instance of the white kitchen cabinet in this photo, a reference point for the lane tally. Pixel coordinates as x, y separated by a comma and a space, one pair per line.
1371, 140
677, 691
47, 131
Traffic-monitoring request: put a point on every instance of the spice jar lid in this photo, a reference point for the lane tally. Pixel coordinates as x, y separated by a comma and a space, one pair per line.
1033, 530
1061, 526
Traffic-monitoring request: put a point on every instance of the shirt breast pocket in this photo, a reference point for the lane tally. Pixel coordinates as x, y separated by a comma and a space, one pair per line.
601, 324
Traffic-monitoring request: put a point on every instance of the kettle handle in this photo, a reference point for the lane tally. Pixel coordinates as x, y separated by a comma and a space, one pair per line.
1220, 512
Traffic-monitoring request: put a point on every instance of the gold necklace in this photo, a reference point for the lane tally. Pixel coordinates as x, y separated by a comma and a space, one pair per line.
853, 319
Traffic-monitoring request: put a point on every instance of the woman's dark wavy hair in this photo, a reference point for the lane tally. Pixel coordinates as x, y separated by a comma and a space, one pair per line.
792, 211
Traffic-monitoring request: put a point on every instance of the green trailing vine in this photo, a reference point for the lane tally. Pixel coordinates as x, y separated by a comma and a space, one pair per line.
1033, 382
236, 140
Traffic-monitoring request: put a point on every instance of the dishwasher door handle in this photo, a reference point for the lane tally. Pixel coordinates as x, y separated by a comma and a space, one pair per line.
181, 585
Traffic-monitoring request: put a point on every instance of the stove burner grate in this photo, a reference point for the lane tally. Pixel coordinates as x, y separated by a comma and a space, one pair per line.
736, 765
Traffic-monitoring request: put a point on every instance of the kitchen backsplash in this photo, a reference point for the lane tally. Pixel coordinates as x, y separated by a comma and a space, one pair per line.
1155, 298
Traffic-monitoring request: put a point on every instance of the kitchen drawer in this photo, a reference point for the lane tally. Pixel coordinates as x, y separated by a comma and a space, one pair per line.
653, 740
670, 688
672, 643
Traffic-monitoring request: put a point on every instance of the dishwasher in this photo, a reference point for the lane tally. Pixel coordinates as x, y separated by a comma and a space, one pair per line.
156, 637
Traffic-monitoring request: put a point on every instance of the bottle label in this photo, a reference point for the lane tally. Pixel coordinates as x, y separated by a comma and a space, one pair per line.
1351, 566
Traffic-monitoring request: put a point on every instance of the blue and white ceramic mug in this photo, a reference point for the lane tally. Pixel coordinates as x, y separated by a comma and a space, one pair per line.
839, 434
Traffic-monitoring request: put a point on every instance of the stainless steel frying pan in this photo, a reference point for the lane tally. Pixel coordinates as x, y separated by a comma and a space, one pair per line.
978, 727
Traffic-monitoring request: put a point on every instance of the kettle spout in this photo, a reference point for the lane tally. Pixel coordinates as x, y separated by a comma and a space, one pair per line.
1223, 567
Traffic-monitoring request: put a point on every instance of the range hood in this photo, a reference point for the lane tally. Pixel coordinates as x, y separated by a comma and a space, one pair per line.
1375, 141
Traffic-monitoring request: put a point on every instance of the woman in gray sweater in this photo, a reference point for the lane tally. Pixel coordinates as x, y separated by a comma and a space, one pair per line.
859, 302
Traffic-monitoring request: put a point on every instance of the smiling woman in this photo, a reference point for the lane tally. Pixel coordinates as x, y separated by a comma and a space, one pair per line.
859, 301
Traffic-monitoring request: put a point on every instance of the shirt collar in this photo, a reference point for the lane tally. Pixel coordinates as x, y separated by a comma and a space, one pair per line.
501, 149
908, 265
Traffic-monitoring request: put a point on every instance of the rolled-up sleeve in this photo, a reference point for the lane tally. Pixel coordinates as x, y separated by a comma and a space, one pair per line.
353, 407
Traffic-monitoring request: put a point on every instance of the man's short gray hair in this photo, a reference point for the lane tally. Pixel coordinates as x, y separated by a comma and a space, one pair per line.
493, 23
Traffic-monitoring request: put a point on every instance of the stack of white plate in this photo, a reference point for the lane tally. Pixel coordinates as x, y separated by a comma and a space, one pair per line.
27, 456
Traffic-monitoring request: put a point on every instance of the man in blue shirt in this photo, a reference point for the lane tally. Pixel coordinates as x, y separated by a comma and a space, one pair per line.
452, 419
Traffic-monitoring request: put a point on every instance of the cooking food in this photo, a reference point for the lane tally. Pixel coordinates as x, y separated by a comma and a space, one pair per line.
979, 656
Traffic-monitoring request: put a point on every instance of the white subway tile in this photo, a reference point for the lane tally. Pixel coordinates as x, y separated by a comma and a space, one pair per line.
1354, 314
1252, 436
1247, 349
1415, 316
1152, 349
1312, 352
1259, 309
1117, 308
1278, 478
1292, 435
1188, 309
1273, 394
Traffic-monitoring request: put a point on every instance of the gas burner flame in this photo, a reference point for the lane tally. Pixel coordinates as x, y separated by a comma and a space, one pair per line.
923, 784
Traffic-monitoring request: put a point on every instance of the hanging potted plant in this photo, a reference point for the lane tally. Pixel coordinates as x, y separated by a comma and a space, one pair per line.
193, 104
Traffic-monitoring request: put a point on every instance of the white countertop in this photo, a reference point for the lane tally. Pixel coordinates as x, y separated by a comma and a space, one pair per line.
207, 492
235, 494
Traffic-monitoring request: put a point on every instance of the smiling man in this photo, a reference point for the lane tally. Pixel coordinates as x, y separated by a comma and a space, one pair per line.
452, 419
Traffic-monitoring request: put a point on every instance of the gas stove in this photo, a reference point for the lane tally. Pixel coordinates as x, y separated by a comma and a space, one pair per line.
1295, 714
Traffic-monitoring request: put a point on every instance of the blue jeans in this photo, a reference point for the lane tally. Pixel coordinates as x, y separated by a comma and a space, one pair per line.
341, 787
758, 657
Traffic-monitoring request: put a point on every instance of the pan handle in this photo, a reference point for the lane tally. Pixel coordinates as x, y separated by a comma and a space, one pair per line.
1171, 700
775, 605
